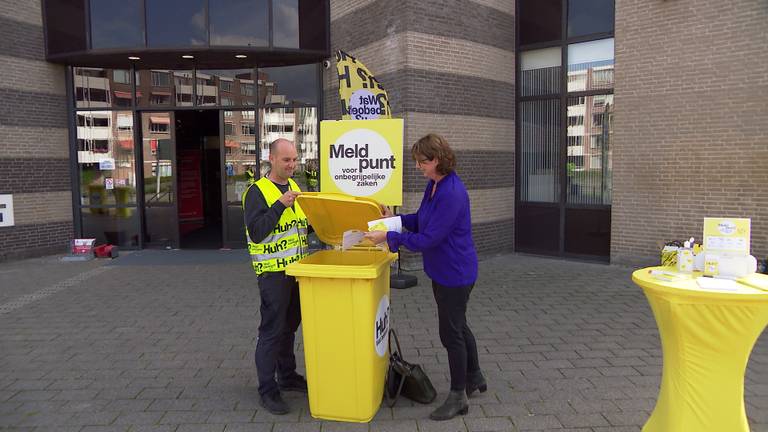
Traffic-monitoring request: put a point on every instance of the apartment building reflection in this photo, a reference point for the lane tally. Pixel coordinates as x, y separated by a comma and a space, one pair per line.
589, 127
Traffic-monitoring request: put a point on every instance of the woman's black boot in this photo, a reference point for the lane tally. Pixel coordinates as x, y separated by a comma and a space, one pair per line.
476, 381
455, 404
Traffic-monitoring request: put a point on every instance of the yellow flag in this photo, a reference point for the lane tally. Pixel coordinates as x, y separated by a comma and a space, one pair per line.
362, 96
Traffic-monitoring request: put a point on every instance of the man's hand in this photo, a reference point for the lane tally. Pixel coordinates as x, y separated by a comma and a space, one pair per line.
289, 197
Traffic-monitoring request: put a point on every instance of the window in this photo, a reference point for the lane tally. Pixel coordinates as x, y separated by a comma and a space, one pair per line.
158, 127
92, 72
226, 86
249, 150
575, 120
602, 78
594, 162
121, 76
590, 65
577, 82
239, 22
123, 102
577, 161
125, 123
103, 135
182, 78
117, 23
206, 81
598, 101
589, 17
183, 99
93, 87
229, 128
248, 129
161, 79
564, 44
176, 23
98, 95
159, 99
89, 120
246, 89
289, 84
539, 20
285, 15
226, 101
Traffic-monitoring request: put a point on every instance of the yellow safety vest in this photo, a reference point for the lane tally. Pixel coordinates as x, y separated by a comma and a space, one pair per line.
287, 243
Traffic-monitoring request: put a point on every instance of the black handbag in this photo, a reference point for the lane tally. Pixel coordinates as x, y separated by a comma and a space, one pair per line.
405, 378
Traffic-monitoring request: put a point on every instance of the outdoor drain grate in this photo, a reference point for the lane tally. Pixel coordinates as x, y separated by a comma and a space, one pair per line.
48, 291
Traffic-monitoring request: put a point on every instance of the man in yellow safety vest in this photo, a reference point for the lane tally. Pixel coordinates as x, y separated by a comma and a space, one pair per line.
276, 229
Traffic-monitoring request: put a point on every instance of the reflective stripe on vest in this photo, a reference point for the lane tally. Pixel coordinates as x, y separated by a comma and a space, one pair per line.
287, 243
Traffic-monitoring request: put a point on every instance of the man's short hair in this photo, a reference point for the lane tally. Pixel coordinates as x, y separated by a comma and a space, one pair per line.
273, 144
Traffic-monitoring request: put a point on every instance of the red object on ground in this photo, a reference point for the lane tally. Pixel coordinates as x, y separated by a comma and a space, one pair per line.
105, 251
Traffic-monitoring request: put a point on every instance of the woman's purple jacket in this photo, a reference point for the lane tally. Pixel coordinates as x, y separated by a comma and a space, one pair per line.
442, 231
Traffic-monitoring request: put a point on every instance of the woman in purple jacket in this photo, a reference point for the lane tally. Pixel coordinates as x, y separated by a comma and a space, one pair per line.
442, 231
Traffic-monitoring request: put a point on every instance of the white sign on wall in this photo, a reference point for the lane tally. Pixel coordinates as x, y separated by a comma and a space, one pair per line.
107, 164
6, 210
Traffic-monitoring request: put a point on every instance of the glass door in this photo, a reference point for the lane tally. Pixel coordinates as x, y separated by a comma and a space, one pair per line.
161, 226
239, 155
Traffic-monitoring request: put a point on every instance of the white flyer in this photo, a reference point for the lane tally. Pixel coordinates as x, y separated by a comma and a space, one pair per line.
351, 238
386, 224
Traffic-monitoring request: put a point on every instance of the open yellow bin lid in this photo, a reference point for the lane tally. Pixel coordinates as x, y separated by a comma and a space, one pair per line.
330, 214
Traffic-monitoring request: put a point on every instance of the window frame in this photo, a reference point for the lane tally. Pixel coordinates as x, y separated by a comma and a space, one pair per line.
562, 205
73, 111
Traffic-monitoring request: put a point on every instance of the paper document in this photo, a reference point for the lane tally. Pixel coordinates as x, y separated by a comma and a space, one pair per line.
669, 276
386, 224
755, 281
351, 238
719, 284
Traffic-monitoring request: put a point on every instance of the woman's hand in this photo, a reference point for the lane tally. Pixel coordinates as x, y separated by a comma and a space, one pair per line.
386, 211
376, 236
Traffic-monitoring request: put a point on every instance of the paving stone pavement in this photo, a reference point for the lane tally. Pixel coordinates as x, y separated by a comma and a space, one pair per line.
158, 344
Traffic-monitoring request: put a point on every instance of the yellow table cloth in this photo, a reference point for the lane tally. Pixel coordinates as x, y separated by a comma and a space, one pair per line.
706, 337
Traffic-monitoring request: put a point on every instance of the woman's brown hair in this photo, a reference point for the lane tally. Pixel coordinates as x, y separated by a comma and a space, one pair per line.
433, 146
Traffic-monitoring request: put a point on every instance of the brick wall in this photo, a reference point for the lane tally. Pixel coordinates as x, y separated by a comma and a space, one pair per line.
448, 68
34, 157
690, 125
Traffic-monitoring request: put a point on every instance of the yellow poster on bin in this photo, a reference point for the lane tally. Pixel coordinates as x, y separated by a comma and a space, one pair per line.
363, 158
362, 96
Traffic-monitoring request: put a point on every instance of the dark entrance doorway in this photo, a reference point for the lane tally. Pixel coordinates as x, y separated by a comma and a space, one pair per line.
198, 157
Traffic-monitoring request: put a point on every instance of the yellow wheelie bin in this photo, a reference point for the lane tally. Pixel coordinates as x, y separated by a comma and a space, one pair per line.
344, 311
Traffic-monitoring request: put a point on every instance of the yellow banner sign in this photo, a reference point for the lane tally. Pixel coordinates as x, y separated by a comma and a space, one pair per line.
362, 96
363, 158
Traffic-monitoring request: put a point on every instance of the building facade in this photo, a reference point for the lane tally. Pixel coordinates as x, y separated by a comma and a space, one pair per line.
589, 129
